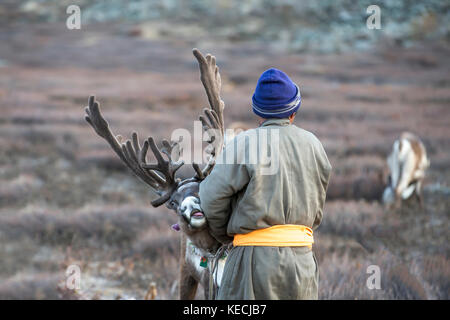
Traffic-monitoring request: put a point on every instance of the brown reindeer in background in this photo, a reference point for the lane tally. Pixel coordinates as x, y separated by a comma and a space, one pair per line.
407, 164
178, 195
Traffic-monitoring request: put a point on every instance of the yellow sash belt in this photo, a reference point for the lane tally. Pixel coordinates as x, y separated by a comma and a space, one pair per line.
286, 235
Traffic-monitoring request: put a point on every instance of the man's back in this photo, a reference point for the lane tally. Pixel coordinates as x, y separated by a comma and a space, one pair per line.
237, 199
294, 193
269, 213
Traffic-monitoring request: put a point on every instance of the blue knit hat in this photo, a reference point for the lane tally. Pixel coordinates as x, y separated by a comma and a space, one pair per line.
276, 96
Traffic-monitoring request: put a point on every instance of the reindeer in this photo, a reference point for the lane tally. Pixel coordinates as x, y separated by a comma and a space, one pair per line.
179, 195
407, 164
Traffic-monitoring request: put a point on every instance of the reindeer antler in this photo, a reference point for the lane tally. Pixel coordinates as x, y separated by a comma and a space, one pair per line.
160, 176
213, 124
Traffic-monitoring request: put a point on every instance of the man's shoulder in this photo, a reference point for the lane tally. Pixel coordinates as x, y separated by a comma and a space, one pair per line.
305, 134
300, 135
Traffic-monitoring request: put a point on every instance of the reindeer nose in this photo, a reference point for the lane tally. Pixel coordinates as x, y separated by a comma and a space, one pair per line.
188, 206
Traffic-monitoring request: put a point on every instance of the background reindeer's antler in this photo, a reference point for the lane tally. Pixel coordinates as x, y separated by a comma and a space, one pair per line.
160, 176
213, 123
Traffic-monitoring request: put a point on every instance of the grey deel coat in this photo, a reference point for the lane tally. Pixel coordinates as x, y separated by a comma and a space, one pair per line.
240, 197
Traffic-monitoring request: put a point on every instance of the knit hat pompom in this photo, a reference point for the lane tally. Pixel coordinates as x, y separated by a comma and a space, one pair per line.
276, 96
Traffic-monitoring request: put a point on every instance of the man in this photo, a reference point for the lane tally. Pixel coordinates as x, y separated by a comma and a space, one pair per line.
269, 217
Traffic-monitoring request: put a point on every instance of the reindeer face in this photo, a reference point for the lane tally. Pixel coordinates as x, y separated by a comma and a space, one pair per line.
186, 203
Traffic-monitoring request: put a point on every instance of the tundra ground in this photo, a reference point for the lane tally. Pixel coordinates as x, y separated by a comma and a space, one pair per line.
66, 199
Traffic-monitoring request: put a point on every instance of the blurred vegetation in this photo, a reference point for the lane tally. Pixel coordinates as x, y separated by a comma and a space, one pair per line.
318, 26
66, 199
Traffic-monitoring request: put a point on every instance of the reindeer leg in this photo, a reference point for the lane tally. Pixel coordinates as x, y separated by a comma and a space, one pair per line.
398, 203
420, 198
419, 195
188, 285
205, 284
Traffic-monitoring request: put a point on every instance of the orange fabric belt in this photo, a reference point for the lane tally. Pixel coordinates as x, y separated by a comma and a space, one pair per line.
286, 235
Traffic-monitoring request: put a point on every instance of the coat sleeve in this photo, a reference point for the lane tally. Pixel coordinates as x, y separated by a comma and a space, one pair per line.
217, 192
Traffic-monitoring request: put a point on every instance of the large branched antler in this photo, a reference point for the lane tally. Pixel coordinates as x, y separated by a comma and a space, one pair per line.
160, 176
213, 123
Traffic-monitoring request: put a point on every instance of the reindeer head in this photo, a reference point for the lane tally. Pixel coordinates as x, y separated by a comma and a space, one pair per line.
179, 195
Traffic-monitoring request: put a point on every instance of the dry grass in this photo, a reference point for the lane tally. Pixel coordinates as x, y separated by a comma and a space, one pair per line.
65, 198
36, 286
